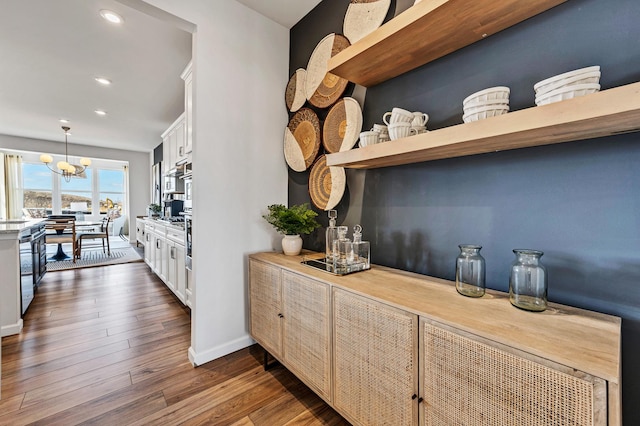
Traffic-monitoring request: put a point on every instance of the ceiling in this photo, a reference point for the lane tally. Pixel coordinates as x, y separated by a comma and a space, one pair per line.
52, 50
285, 12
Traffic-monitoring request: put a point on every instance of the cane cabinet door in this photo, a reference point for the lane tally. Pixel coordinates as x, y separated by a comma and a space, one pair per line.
307, 331
467, 380
375, 361
265, 310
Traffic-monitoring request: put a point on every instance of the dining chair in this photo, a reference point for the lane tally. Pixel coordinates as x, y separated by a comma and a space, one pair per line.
102, 234
61, 229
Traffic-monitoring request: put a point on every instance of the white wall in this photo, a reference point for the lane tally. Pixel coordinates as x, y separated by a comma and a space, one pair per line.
240, 63
139, 166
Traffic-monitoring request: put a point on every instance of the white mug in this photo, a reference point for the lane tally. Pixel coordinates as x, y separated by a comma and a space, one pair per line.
419, 119
401, 130
380, 128
398, 115
369, 138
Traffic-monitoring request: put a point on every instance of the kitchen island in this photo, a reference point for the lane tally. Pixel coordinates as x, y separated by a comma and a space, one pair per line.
11, 232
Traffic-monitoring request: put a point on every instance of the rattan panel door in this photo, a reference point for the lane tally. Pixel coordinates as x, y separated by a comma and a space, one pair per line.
265, 310
471, 381
306, 333
375, 361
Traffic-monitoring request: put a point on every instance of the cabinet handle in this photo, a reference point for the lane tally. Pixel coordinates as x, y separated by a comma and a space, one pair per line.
414, 396
280, 315
420, 400
173, 255
181, 150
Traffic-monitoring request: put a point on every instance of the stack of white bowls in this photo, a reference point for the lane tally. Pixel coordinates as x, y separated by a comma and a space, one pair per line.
569, 85
486, 103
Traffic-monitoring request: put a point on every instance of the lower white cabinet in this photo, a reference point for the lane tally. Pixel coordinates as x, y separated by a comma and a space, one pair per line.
386, 347
164, 252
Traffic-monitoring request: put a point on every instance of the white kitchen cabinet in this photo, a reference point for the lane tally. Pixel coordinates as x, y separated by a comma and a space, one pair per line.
140, 234
187, 76
170, 139
180, 135
176, 271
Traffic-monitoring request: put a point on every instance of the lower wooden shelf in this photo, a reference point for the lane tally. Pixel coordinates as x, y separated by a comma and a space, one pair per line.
605, 113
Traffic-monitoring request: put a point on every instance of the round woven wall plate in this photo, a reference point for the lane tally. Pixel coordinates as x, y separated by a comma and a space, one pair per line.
363, 17
342, 126
323, 88
302, 140
294, 96
326, 184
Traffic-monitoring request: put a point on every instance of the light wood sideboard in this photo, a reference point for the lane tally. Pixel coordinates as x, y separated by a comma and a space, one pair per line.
392, 347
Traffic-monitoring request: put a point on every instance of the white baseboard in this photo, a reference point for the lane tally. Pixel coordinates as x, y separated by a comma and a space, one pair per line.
11, 329
199, 358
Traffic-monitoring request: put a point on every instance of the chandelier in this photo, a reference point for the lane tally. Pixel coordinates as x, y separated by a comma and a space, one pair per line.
65, 169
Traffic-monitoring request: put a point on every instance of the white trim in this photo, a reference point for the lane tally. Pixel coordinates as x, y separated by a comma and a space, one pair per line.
11, 329
219, 351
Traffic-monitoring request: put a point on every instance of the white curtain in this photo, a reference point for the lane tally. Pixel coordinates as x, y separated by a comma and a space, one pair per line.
13, 185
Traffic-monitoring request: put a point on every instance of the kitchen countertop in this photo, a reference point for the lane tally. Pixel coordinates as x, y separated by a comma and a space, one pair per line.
15, 226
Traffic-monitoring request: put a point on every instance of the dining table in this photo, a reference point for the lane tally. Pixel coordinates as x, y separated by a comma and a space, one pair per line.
81, 226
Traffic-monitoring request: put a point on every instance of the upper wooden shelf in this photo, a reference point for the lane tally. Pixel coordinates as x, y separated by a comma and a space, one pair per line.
427, 31
604, 113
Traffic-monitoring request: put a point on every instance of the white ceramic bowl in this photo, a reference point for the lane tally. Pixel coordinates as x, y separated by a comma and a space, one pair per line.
492, 93
568, 92
566, 75
482, 113
493, 102
590, 77
473, 110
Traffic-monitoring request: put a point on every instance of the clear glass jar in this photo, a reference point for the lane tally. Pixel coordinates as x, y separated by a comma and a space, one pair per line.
528, 281
470, 271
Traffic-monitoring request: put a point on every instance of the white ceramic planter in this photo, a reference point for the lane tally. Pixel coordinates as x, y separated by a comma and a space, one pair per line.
291, 245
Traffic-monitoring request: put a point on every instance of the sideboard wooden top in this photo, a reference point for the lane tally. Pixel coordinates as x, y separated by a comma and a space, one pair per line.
585, 340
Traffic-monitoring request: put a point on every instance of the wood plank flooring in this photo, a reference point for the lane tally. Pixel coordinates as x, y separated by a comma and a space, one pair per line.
108, 346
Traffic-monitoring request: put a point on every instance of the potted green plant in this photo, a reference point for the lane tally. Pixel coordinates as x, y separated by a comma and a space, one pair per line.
154, 210
291, 222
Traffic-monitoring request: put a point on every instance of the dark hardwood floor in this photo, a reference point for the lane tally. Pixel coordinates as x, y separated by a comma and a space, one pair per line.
108, 346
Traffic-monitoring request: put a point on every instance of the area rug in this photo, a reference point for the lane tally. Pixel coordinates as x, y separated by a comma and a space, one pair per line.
92, 258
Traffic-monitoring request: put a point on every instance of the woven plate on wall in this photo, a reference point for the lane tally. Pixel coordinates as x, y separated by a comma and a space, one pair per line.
294, 95
363, 17
326, 184
302, 140
342, 126
323, 88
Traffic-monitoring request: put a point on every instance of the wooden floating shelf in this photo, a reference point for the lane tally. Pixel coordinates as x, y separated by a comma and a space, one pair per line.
599, 114
427, 31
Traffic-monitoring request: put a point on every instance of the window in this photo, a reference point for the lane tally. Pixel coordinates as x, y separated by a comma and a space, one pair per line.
102, 189
75, 193
111, 190
38, 187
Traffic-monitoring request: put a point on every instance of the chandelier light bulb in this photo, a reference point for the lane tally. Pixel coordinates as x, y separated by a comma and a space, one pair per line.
85, 162
46, 158
62, 165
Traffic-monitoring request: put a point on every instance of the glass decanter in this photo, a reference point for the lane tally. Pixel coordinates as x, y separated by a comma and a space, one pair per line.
361, 251
331, 235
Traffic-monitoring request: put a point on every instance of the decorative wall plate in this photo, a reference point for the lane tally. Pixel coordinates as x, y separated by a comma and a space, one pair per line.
326, 184
363, 17
342, 126
323, 88
294, 96
302, 140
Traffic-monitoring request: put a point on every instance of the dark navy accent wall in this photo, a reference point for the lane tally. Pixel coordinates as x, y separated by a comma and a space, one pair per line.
578, 202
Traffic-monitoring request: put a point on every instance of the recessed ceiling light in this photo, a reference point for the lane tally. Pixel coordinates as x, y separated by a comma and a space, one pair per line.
111, 16
63, 120
102, 80
100, 112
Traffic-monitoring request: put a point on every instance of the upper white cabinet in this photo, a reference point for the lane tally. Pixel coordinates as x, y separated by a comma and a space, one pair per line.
187, 76
170, 139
